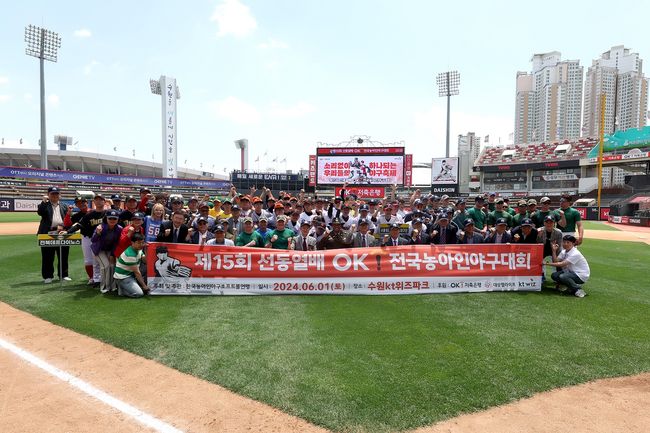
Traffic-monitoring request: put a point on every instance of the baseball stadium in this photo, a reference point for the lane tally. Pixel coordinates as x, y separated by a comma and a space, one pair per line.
382, 289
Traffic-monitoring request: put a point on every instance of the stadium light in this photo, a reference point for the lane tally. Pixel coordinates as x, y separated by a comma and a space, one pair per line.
242, 144
448, 83
43, 44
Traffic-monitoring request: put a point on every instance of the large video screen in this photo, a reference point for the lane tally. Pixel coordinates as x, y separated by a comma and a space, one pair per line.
360, 165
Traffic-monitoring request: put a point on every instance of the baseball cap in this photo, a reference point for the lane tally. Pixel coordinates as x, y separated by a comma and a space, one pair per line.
98, 195
193, 198
469, 222
388, 206
493, 194
79, 198
498, 201
204, 204
544, 200
219, 228
116, 197
364, 207
435, 198
549, 218
336, 221
281, 218
417, 202
216, 200
176, 199
569, 238
460, 201
501, 221
248, 220
54, 189
417, 221
394, 226
522, 203
270, 199
293, 199
532, 201
130, 197
263, 218
278, 206
244, 198
444, 197
479, 198
201, 220
138, 215
112, 214
526, 222
144, 189
257, 200
235, 207
305, 223
443, 216
226, 202
363, 221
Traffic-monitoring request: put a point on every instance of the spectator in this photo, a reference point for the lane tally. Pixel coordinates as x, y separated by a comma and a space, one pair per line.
153, 222
131, 207
257, 211
52, 213
216, 212
173, 231
393, 238
499, 235
105, 240
127, 270
144, 205
116, 202
201, 235
572, 267
220, 237
468, 235
249, 237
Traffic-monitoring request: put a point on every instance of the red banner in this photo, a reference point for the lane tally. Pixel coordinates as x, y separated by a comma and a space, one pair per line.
604, 213
408, 170
312, 170
363, 191
185, 269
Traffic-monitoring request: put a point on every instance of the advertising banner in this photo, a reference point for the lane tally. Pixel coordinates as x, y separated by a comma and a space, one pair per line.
26, 205
360, 166
362, 191
444, 175
57, 240
408, 170
63, 176
6, 204
312, 170
186, 269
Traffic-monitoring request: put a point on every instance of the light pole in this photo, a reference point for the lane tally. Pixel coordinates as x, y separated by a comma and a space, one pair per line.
448, 83
166, 87
43, 44
242, 144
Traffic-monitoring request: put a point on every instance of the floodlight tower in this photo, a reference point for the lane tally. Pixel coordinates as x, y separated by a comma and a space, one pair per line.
243, 145
448, 83
169, 92
43, 44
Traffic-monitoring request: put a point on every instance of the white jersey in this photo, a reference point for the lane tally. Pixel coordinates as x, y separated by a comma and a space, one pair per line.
394, 219
348, 223
226, 242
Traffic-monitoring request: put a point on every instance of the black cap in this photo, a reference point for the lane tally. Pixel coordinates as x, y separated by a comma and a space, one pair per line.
193, 198
417, 202
479, 198
364, 207
549, 218
372, 202
138, 215
98, 195
417, 221
219, 228
144, 189
112, 214
54, 189
395, 226
305, 222
363, 221
468, 222
201, 219
116, 197
443, 216
336, 221
176, 199
569, 238
526, 222
130, 197
235, 207
502, 221
79, 198
460, 201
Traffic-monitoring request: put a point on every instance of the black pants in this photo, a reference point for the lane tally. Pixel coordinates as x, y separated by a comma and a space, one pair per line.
47, 262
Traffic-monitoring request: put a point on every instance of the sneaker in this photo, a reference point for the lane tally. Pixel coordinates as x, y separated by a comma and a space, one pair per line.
104, 290
47, 281
67, 279
90, 281
580, 293
95, 284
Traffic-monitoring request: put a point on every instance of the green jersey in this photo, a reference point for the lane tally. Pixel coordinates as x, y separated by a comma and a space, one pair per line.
246, 238
282, 242
539, 216
516, 219
478, 216
572, 217
494, 216
491, 206
129, 257
511, 211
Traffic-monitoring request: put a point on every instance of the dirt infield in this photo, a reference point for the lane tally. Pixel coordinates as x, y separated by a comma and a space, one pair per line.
31, 400
18, 228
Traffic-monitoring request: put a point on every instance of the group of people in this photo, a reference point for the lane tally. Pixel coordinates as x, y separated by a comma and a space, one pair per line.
115, 230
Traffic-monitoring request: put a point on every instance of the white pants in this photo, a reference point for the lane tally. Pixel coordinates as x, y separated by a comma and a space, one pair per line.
106, 271
89, 258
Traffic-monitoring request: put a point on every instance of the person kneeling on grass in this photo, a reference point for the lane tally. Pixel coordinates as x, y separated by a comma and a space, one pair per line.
572, 267
127, 269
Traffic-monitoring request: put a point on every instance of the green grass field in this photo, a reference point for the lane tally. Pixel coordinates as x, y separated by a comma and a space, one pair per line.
597, 225
18, 217
368, 364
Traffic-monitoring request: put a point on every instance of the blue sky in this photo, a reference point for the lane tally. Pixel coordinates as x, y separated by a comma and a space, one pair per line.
287, 74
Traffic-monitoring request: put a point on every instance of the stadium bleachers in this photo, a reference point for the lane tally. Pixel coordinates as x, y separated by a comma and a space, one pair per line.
535, 152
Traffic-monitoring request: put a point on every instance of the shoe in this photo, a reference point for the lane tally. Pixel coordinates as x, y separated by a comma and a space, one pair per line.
95, 284
104, 290
90, 282
47, 281
580, 293
67, 279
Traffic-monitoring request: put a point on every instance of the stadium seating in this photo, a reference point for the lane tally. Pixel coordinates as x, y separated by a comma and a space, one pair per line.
535, 152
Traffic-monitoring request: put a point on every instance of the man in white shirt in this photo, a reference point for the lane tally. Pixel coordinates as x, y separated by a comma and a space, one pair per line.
572, 267
387, 217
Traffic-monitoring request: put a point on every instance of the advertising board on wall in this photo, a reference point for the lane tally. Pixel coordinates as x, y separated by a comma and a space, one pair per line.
360, 166
444, 175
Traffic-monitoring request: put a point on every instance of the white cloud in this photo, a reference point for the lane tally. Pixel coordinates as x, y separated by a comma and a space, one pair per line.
291, 112
233, 18
4, 80
274, 43
88, 69
4, 98
53, 100
82, 33
236, 111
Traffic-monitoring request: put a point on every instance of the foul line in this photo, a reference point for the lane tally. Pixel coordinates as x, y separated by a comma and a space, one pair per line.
85, 387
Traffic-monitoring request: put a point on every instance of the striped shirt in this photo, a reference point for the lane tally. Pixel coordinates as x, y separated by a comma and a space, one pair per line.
129, 257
